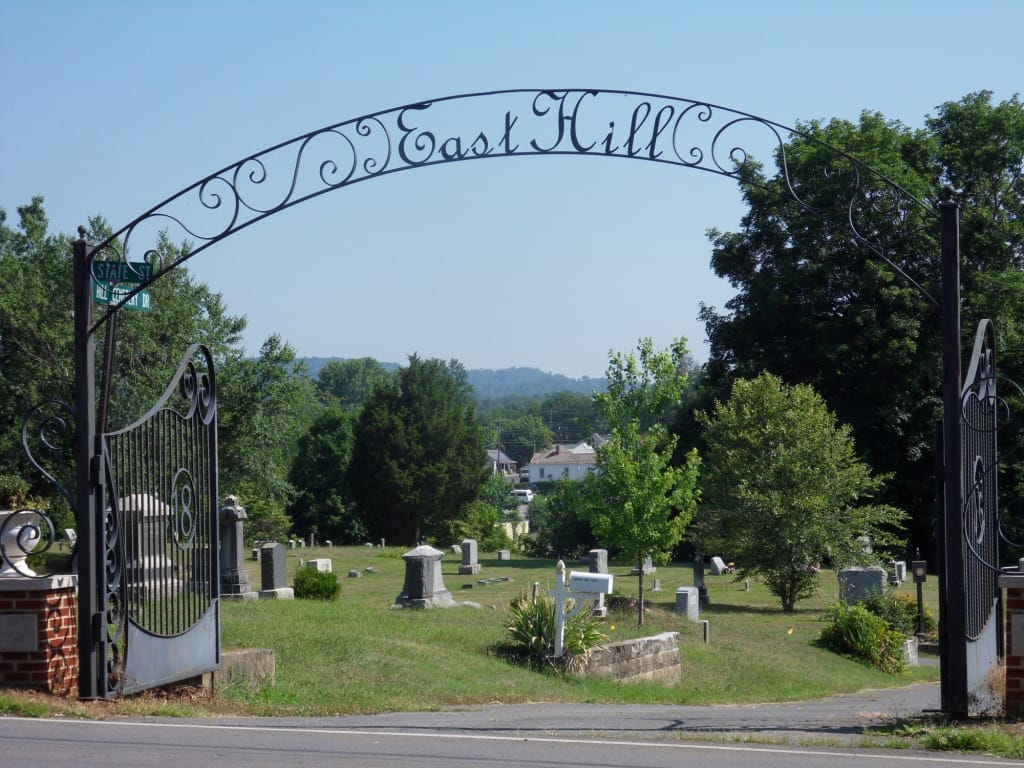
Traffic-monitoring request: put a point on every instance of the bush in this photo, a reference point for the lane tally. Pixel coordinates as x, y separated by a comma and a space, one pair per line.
531, 630
13, 492
314, 585
898, 611
855, 631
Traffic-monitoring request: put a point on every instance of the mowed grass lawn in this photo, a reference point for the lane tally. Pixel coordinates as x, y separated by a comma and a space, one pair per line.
359, 655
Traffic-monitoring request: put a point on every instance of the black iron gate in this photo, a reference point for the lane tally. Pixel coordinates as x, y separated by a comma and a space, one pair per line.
160, 547
145, 507
971, 614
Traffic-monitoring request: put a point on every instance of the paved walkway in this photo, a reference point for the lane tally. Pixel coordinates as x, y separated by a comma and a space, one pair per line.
837, 719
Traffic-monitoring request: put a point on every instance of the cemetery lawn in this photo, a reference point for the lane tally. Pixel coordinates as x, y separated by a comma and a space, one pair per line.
358, 655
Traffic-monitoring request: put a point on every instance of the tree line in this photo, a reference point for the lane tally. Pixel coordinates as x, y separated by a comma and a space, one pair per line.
812, 422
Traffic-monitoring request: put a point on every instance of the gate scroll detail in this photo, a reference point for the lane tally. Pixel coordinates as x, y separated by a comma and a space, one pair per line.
160, 545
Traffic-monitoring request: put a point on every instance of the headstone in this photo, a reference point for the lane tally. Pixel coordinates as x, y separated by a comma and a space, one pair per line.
328, 543
255, 553
648, 567
900, 567
291, 543
456, 549
504, 554
718, 566
657, 586
858, 583
688, 602
424, 586
319, 564
698, 581
598, 561
312, 539
234, 577
355, 573
149, 520
72, 534
273, 576
470, 564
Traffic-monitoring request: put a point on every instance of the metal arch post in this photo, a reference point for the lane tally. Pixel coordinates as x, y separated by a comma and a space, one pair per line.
90, 646
952, 575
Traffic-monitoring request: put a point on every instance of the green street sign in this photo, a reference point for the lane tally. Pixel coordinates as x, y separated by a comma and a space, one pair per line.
112, 272
104, 294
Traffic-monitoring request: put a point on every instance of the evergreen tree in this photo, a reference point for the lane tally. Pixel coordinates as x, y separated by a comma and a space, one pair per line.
418, 456
319, 473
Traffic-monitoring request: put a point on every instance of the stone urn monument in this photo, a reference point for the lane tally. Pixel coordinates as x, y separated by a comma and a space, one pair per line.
19, 536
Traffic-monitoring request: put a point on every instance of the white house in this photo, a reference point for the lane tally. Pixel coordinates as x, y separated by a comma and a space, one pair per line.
570, 461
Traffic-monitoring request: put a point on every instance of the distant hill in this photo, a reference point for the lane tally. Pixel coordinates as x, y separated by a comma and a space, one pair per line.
488, 383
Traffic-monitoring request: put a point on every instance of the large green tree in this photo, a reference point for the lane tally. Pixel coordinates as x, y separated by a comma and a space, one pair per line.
815, 307
347, 383
36, 331
783, 490
322, 504
560, 526
419, 455
645, 502
268, 404
518, 436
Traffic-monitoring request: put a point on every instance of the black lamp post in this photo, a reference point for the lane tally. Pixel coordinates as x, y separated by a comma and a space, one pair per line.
920, 569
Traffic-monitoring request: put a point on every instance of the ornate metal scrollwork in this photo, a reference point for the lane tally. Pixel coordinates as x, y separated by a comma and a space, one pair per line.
985, 411
507, 123
47, 435
50, 426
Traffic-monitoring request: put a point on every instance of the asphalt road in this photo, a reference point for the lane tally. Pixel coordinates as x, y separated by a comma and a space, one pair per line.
799, 734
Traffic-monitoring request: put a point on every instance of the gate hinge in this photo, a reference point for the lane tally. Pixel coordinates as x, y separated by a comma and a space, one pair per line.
96, 470
99, 629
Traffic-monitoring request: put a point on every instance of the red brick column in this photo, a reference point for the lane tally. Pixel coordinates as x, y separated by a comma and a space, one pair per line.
39, 634
1014, 626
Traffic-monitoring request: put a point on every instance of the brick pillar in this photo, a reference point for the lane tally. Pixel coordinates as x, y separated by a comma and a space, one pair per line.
1014, 627
38, 634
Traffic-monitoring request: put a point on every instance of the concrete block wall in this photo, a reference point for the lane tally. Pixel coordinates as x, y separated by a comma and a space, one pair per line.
39, 634
645, 658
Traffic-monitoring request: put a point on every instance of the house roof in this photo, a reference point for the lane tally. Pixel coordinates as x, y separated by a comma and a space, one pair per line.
563, 455
498, 456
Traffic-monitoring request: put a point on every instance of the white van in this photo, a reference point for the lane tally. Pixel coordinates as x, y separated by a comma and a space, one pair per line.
522, 495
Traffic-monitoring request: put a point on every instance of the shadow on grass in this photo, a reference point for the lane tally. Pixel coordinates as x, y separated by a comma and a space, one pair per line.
764, 610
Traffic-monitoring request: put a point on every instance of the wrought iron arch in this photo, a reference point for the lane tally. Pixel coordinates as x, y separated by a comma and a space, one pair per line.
498, 124
613, 124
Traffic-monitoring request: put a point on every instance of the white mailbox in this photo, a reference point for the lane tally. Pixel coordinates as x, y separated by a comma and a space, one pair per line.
591, 583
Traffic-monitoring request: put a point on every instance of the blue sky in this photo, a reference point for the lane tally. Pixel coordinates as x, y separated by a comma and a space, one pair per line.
110, 107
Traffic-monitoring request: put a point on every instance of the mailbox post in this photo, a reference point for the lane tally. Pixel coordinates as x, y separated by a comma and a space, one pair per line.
582, 586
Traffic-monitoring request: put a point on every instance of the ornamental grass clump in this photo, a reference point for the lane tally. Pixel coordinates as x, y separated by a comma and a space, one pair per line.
531, 634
